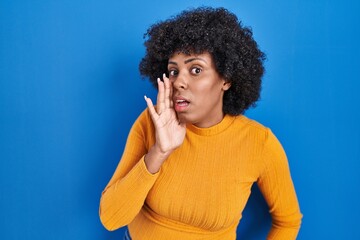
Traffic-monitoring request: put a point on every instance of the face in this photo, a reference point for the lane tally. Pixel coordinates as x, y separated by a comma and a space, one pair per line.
198, 89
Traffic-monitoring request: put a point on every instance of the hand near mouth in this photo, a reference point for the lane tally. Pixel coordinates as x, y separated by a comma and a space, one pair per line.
170, 133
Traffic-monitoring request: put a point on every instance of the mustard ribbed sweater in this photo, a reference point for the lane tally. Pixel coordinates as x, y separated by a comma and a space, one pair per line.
202, 188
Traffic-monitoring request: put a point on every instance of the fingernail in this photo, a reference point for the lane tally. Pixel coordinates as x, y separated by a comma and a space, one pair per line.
145, 97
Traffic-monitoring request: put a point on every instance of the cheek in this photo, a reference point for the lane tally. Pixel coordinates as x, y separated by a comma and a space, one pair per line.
207, 90
209, 96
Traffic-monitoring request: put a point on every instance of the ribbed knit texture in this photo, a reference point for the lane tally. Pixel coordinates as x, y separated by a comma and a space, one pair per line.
202, 188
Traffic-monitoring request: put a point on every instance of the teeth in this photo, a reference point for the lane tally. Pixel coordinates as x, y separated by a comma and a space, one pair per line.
180, 101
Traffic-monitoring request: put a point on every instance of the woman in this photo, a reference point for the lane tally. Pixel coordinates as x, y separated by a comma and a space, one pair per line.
189, 163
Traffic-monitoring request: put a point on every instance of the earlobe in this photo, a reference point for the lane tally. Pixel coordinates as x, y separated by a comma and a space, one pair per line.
226, 86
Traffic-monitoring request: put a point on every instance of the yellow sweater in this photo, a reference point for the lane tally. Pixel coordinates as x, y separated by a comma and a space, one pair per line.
202, 188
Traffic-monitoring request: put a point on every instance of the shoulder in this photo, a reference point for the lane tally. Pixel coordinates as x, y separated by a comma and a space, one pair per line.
249, 125
143, 119
265, 135
258, 128
255, 130
143, 128
251, 122
269, 147
143, 123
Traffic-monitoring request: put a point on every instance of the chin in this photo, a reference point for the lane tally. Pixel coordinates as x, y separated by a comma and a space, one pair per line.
184, 118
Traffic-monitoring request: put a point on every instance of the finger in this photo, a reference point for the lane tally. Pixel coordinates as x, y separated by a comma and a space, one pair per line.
153, 113
167, 91
171, 95
160, 105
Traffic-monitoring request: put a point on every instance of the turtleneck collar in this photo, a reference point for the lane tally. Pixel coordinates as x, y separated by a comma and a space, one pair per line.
213, 130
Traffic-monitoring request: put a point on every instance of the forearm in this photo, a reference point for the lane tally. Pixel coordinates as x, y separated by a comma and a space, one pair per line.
282, 234
286, 228
122, 201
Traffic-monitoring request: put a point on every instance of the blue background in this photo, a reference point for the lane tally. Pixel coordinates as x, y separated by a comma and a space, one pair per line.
70, 90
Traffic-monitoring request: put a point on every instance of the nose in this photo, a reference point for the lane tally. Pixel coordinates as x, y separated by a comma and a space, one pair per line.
180, 82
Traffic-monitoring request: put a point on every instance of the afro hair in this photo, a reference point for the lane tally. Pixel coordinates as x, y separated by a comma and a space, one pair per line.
235, 53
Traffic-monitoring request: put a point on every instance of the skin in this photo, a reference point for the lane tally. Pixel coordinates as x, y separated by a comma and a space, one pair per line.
193, 94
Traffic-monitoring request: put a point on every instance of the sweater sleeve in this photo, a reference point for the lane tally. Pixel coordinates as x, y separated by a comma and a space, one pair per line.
126, 192
277, 187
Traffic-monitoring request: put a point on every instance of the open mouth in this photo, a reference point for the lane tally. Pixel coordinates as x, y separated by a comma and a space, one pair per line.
181, 105
182, 102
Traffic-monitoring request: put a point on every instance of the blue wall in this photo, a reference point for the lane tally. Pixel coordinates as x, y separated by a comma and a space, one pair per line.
70, 90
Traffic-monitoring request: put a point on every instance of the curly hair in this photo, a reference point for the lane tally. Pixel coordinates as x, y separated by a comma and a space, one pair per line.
235, 53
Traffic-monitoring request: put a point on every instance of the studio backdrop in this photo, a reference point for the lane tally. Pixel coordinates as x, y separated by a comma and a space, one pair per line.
70, 90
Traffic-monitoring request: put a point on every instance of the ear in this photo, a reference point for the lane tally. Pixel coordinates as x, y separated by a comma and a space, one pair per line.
226, 85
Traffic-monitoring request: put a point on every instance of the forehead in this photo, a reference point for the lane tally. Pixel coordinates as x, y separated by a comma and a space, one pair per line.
180, 57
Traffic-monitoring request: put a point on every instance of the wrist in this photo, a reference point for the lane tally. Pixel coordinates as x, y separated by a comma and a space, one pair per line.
155, 158
161, 154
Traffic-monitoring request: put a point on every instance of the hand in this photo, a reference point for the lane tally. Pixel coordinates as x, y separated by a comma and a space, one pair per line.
170, 133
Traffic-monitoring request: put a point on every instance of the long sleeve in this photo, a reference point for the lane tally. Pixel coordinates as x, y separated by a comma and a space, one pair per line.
202, 188
277, 187
126, 192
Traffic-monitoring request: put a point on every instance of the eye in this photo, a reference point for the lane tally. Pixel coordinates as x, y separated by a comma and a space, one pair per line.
196, 70
173, 73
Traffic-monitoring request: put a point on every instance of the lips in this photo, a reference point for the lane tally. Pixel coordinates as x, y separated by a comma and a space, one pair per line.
181, 103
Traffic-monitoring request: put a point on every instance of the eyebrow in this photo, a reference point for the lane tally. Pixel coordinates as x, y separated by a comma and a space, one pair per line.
188, 60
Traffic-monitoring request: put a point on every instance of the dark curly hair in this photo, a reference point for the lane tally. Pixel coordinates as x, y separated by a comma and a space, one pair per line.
235, 53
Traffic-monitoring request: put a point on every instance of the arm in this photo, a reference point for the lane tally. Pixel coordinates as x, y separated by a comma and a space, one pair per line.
140, 164
277, 187
125, 194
